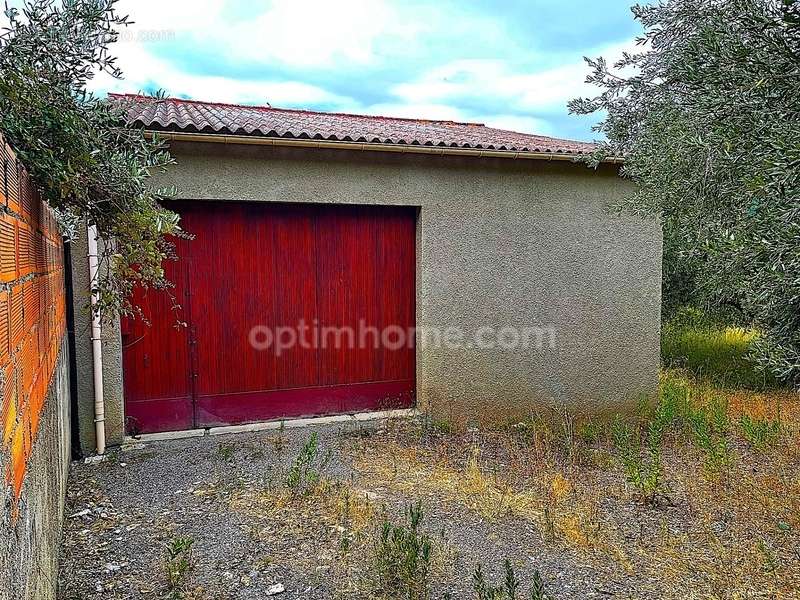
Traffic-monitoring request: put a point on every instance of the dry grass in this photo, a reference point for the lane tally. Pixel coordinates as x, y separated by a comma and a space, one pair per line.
336, 527
724, 524
726, 533
547, 499
732, 533
331, 526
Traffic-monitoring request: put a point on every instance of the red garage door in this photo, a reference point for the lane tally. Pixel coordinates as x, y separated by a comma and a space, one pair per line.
289, 310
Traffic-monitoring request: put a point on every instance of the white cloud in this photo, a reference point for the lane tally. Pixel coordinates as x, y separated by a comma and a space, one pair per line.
313, 36
298, 33
481, 79
142, 69
312, 32
302, 33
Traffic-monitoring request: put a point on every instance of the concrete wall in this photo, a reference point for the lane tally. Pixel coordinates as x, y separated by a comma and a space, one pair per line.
500, 243
30, 539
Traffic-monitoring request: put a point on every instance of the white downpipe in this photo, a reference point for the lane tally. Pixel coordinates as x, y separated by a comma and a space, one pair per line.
97, 345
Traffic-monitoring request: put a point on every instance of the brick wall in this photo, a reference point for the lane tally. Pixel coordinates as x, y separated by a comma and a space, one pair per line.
32, 312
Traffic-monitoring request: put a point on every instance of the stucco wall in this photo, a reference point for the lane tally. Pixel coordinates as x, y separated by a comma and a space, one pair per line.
29, 542
500, 243
112, 358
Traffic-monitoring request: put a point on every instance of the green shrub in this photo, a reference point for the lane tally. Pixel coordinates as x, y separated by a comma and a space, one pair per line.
589, 432
708, 121
403, 558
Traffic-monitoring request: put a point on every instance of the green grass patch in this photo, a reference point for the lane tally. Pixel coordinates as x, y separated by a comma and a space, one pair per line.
712, 351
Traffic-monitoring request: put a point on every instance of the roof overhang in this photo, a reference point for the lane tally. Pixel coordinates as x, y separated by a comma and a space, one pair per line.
214, 138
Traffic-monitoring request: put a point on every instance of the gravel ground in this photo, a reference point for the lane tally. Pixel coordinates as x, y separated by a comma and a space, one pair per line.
228, 494
123, 512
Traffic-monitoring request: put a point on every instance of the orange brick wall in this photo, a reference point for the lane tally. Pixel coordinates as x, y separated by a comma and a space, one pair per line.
32, 311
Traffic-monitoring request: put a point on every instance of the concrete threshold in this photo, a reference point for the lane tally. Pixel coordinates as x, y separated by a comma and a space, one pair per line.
404, 413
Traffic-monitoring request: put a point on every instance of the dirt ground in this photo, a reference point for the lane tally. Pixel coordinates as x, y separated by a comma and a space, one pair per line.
565, 511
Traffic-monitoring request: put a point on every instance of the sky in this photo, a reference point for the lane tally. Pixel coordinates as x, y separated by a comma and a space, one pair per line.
511, 64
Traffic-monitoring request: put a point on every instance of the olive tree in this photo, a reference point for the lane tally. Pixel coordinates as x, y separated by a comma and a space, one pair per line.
707, 117
88, 165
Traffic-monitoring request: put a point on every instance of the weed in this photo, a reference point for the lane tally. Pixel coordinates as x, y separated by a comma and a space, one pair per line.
279, 441
549, 524
533, 432
359, 431
768, 558
509, 588
589, 432
537, 588
485, 591
760, 433
179, 564
226, 451
305, 471
709, 428
674, 397
403, 558
565, 434
439, 425
643, 467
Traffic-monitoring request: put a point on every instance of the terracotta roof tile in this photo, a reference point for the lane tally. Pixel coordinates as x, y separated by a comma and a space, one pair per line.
174, 114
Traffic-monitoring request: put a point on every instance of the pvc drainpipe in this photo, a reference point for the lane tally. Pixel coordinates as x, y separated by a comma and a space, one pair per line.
97, 345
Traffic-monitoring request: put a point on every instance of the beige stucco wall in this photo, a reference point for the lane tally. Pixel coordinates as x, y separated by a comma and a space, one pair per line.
501, 243
112, 358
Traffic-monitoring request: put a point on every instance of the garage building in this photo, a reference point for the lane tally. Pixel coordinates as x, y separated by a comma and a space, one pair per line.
345, 263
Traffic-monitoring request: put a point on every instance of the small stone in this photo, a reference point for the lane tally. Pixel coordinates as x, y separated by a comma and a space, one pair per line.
274, 589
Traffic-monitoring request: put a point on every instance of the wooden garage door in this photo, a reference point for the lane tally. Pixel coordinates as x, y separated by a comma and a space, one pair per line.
340, 279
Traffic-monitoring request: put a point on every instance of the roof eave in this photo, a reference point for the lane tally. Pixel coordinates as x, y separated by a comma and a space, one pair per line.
220, 138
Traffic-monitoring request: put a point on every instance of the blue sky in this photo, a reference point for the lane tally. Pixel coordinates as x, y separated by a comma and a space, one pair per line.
507, 63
